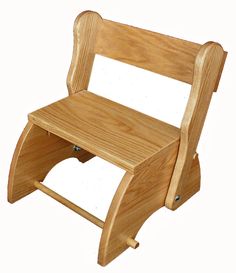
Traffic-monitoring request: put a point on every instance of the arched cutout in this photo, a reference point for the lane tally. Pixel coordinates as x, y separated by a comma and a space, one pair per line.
36, 153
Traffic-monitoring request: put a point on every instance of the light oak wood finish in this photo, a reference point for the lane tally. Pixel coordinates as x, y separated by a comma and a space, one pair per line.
93, 219
116, 133
192, 185
85, 32
153, 51
137, 197
132, 243
208, 66
161, 163
88, 216
37, 152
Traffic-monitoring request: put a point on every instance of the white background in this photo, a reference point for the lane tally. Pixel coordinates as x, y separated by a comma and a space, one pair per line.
39, 235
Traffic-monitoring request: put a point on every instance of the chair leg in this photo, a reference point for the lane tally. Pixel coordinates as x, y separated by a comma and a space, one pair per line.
189, 186
193, 183
36, 153
137, 197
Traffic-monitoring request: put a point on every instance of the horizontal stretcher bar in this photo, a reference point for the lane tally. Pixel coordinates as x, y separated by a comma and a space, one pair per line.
93, 219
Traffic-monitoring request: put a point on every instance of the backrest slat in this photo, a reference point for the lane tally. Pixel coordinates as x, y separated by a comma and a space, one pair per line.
156, 52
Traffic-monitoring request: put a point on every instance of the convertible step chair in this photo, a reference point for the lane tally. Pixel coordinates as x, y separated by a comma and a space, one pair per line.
160, 160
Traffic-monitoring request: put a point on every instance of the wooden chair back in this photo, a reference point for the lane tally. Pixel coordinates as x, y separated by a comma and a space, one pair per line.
199, 65
159, 53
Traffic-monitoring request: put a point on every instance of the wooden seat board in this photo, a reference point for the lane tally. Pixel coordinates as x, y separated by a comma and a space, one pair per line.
118, 134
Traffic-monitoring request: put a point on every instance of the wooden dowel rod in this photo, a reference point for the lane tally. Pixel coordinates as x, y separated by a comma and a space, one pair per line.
93, 219
69, 204
132, 243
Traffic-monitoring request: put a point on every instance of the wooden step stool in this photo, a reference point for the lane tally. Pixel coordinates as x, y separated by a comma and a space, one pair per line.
160, 160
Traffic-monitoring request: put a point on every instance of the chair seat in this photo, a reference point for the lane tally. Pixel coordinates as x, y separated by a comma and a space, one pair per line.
116, 133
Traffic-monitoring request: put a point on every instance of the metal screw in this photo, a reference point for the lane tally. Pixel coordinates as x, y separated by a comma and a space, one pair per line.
177, 197
76, 148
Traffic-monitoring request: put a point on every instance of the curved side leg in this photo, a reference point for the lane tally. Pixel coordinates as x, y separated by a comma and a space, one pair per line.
37, 151
136, 198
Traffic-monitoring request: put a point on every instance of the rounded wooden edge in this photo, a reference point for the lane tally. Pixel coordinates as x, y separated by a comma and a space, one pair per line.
14, 161
85, 29
205, 52
84, 14
35, 140
110, 219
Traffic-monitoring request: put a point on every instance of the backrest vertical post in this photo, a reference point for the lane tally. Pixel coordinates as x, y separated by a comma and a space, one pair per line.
86, 27
207, 70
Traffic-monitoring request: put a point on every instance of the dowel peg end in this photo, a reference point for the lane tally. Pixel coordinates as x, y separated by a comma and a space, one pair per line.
132, 243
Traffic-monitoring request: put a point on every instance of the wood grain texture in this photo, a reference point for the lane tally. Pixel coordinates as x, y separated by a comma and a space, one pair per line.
116, 133
35, 155
85, 30
83, 156
160, 160
193, 182
220, 70
137, 197
208, 66
156, 52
